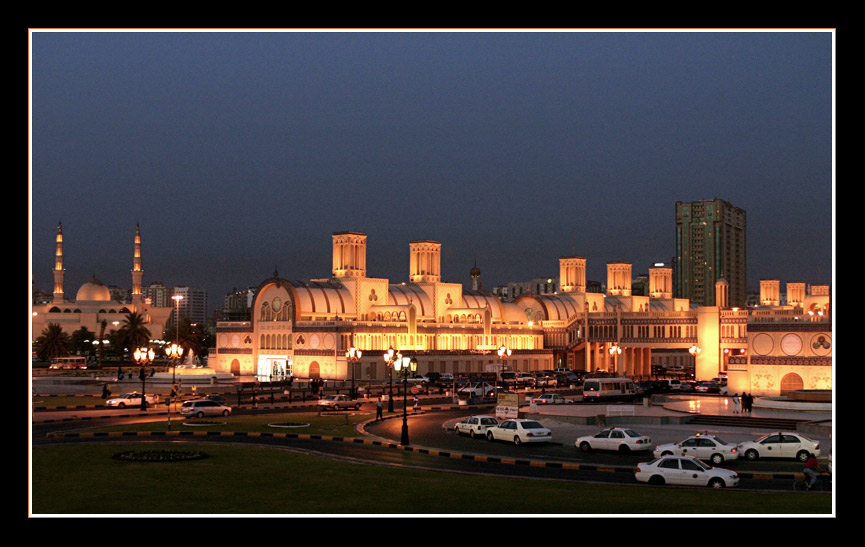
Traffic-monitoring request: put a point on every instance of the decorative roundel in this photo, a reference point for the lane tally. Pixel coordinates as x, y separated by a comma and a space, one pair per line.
314, 341
276, 304
791, 344
821, 344
762, 344
328, 341
235, 340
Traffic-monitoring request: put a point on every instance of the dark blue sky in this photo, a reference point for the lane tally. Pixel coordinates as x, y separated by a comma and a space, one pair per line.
239, 153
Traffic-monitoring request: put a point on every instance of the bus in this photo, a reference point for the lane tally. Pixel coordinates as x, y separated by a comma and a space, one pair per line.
68, 363
598, 390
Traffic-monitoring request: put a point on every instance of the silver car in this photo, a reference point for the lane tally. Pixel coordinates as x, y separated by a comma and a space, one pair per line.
204, 407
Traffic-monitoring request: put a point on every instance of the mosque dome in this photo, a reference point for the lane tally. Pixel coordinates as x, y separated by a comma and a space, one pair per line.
93, 291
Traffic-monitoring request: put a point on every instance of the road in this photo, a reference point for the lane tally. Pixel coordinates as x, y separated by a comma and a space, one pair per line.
435, 446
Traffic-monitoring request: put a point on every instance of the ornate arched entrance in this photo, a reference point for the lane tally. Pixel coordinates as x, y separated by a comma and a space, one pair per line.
791, 382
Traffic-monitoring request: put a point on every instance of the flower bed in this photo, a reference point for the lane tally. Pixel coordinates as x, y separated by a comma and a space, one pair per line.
159, 455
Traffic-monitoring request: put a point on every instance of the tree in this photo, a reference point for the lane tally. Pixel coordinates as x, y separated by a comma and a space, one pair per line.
82, 340
53, 342
134, 332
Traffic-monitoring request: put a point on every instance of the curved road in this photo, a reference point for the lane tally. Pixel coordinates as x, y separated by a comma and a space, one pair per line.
433, 446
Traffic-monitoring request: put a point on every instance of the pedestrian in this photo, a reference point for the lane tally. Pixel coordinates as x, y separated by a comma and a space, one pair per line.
415, 402
378, 410
749, 401
106, 391
735, 403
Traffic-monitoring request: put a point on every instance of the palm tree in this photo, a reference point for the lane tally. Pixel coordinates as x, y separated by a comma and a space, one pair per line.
53, 342
134, 332
102, 325
189, 336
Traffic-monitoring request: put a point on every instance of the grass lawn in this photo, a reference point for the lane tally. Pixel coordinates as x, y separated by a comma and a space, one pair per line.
246, 480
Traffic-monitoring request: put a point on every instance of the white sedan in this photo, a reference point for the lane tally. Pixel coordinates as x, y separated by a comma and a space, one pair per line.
550, 399
782, 444
335, 402
685, 471
704, 447
614, 438
475, 426
520, 431
130, 399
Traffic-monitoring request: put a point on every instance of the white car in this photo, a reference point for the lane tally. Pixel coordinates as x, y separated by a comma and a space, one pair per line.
130, 399
685, 471
782, 444
704, 447
475, 426
520, 431
335, 402
551, 399
478, 389
614, 438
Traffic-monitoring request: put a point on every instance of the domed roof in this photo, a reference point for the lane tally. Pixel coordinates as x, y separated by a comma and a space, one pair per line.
93, 291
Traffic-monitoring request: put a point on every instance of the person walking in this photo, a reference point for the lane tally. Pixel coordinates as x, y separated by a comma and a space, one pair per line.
378, 410
735, 403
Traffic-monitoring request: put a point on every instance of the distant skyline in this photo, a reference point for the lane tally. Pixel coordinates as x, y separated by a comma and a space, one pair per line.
240, 153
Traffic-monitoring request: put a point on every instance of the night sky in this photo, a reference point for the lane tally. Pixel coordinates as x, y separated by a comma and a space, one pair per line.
241, 153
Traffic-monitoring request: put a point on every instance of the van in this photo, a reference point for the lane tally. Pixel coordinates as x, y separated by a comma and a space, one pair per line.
598, 390
671, 384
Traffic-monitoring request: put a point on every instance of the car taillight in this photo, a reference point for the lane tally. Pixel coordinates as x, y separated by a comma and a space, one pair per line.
734, 450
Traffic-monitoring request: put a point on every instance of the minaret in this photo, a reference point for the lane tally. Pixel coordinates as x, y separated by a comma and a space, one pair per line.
58, 265
136, 269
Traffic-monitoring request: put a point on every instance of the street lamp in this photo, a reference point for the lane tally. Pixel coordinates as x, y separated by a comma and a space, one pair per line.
404, 366
353, 356
504, 353
174, 353
143, 356
615, 351
390, 357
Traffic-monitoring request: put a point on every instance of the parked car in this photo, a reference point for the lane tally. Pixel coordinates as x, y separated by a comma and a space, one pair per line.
704, 447
509, 378
335, 402
685, 471
520, 431
707, 387
446, 379
525, 379
218, 398
780, 445
614, 438
551, 399
475, 426
204, 407
131, 399
478, 389
567, 378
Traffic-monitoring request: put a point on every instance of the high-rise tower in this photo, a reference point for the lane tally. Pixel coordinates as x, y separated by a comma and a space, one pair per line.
710, 244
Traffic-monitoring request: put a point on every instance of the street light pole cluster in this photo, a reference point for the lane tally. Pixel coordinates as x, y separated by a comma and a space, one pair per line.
143, 356
405, 366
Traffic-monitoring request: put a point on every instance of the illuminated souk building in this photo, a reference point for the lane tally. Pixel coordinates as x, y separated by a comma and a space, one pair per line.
306, 327
94, 303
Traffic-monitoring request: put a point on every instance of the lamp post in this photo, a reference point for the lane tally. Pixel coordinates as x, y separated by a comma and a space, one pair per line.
404, 366
174, 353
504, 353
353, 356
615, 351
143, 356
390, 357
